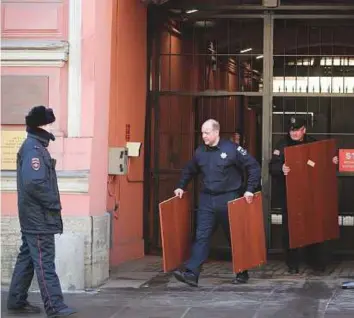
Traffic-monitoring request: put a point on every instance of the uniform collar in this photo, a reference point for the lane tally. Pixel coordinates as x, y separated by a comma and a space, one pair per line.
41, 135
217, 147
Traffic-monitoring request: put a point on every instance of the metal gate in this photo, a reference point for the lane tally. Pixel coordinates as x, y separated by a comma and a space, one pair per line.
313, 76
250, 70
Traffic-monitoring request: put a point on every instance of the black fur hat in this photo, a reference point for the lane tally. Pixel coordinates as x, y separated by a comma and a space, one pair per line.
40, 116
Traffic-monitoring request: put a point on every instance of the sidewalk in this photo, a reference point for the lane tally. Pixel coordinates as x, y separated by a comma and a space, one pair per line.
140, 289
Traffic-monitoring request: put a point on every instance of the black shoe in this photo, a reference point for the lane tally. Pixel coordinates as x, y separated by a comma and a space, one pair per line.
241, 278
319, 268
63, 313
348, 285
318, 271
26, 309
293, 270
186, 277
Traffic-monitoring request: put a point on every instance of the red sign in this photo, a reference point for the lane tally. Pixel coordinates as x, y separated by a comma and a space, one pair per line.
346, 160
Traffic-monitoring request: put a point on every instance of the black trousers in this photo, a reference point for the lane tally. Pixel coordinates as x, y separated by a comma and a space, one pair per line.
37, 253
314, 254
212, 211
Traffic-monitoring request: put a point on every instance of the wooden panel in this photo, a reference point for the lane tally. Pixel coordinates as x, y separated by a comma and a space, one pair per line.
312, 193
247, 233
175, 223
19, 93
45, 18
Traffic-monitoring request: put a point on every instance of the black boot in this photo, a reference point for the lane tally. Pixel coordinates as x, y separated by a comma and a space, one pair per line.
293, 270
293, 261
187, 277
62, 313
241, 278
348, 285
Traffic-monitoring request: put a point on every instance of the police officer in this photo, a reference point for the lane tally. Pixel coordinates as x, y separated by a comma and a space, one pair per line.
40, 218
296, 136
219, 161
237, 137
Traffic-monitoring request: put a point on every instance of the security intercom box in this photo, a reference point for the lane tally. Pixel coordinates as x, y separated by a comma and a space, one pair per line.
118, 161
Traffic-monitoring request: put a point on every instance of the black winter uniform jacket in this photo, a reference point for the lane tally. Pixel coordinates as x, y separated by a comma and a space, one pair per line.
222, 168
38, 194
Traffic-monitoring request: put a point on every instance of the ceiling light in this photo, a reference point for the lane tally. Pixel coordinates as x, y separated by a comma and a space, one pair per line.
246, 50
191, 11
259, 57
204, 24
175, 30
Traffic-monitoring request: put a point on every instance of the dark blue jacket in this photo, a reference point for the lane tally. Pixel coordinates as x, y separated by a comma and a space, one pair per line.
38, 195
222, 168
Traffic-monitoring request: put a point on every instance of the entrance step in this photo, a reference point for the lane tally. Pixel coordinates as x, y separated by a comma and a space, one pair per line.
134, 274
147, 273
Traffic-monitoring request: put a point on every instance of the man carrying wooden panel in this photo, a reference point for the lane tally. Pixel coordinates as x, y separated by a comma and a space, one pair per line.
219, 162
279, 170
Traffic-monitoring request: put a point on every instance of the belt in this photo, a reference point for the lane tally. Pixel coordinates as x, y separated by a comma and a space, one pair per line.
206, 191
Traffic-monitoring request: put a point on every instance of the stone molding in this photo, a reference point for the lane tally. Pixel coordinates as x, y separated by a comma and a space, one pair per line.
68, 181
47, 53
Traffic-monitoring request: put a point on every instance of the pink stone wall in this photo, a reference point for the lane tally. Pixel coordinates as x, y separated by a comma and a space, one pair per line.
113, 86
48, 20
43, 19
96, 72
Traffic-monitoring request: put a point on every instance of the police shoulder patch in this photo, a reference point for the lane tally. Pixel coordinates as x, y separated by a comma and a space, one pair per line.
276, 152
35, 164
242, 151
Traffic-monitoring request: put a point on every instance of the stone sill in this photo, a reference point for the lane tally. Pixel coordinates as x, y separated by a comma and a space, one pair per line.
34, 53
15, 44
68, 181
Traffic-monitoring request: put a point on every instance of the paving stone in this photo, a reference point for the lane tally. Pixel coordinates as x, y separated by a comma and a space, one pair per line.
141, 289
220, 313
263, 298
123, 283
150, 312
133, 275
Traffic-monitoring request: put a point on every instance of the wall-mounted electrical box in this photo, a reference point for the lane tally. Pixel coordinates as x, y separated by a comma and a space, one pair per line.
118, 161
